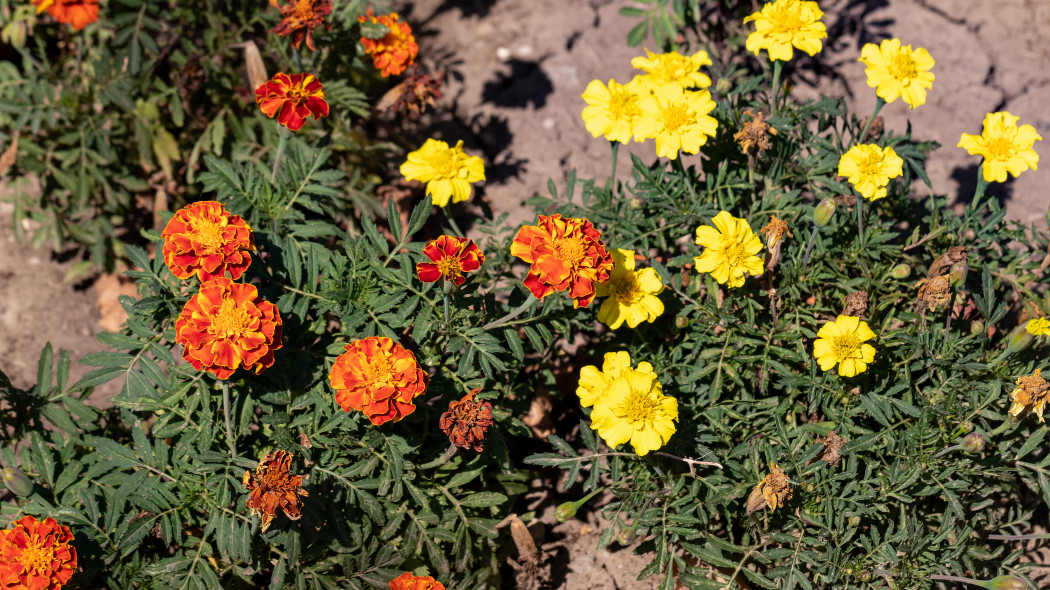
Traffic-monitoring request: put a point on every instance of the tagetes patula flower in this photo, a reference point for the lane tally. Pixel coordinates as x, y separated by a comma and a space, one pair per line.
678, 120
674, 68
206, 240
447, 171
1038, 327
898, 71
394, 52
378, 377
632, 295
76, 13
1032, 393
634, 409
450, 257
869, 169
292, 98
842, 343
1005, 146
730, 250
613, 110
410, 581
36, 555
771, 492
565, 254
273, 487
784, 25
594, 382
299, 18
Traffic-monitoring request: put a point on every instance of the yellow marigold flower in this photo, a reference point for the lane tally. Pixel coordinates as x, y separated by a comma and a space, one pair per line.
1038, 327
786, 24
841, 343
894, 70
869, 169
1005, 146
633, 408
772, 491
632, 295
677, 119
612, 110
729, 251
674, 68
594, 382
447, 171
1031, 394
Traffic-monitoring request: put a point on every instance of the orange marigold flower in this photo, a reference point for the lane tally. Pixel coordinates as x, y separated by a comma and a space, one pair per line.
206, 240
273, 487
300, 18
450, 257
565, 254
408, 581
227, 325
467, 421
36, 555
77, 13
394, 52
379, 377
292, 98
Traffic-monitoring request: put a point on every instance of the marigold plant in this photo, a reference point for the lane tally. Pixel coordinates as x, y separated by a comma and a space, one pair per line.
378, 377
447, 171
1031, 394
37, 555
1038, 327
292, 98
678, 120
785, 25
842, 343
634, 409
410, 581
673, 68
897, 71
450, 258
395, 51
730, 249
565, 255
632, 296
76, 13
869, 168
1004, 146
205, 240
613, 110
273, 487
594, 382
299, 18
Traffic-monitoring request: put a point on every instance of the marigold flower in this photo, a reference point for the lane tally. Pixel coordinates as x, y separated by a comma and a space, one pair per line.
613, 110
632, 295
448, 172
784, 24
394, 52
753, 136
677, 119
450, 257
565, 254
1038, 327
729, 251
841, 343
36, 555
379, 377
272, 486
409, 581
206, 240
674, 68
772, 491
869, 169
894, 70
466, 421
633, 408
226, 325
76, 13
1005, 146
1032, 393
935, 292
292, 98
299, 18
594, 383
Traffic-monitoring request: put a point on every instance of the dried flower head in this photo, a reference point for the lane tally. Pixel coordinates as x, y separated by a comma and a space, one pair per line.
292, 98
379, 377
856, 304
36, 555
753, 136
450, 257
785, 25
833, 443
466, 421
272, 487
394, 52
1031, 393
935, 292
772, 491
76, 13
895, 70
409, 581
299, 18
944, 263
412, 95
565, 254
1005, 146
774, 232
206, 240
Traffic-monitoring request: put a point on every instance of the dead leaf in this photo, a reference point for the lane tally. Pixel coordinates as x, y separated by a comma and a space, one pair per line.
7, 159
538, 419
109, 288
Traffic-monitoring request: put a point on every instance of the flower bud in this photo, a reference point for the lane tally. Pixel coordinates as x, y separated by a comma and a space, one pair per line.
973, 442
977, 328
958, 273
969, 235
823, 211
901, 271
1018, 341
565, 511
966, 427
1006, 583
626, 536
854, 521
681, 322
723, 86
447, 287
636, 203
16, 481
864, 576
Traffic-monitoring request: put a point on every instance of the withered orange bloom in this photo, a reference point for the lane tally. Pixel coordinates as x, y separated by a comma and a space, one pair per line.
466, 421
36, 555
206, 240
299, 18
226, 325
450, 258
394, 52
76, 13
379, 377
408, 581
565, 254
292, 98
273, 487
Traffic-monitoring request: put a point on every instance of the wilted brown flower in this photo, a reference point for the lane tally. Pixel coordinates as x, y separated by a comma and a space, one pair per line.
856, 304
774, 232
943, 264
299, 18
772, 491
272, 487
874, 130
935, 292
412, 96
753, 137
466, 421
832, 445
1032, 393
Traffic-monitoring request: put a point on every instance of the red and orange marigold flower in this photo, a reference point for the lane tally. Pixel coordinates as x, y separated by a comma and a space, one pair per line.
36, 555
77, 13
299, 18
409, 581
272, 487
292, 98
206, 240
394, 52
225, 326
565, 254
379, 377
450, 257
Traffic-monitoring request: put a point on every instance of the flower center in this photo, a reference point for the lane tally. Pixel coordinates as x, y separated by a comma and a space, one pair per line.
36, 558
843, 347
676, 116
449, 267
378, 372
639, 407
231, 321
734, 253
571, 251
903, 66
298, 93
787, 21
622, 105
1002, 147
446, 165
871, 163
210, 234
624, 288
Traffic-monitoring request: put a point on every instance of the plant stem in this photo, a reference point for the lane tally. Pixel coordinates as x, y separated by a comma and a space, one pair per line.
879, 103
957, 579
226, 414
510, 316
860, 219
777, 67
1018, 537
688, 179
444, 295
809, 246
611, 183
982, 185
282, 144
442, 459
452, 222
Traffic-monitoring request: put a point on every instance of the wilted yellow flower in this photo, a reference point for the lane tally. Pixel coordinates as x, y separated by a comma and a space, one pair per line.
895, 71
634, 409
772, 491
632, 295
1005, 146
677, 119
594, 383
1038, 327
841, 343
753, 136
674, 68
1031, 394
448, 171
729, 251
869, 169
784, 24
612, 110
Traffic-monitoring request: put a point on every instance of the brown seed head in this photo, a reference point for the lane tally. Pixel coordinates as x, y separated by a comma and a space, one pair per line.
774, 232
772, 491
1032, 393
935, 292
412, 96
466, 421
753, 137
943, 263
273, 487
856, 304
832, 445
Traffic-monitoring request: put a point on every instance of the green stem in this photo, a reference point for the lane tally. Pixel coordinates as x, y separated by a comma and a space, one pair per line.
982, 185
452, 222
688, 179
611, 183
444, 295
809, 246
879, 103
282, 144
860, 219
777, 67
510, 316
957, 579
442, 459
1018, 537
226, 414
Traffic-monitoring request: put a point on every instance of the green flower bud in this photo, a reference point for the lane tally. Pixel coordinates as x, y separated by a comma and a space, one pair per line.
901, 271
681, 322
565, 511
723, 86
17, 482
854, 521
973, 442
1018, 341
447, 287
958, 273
636, 203
966, 427
977, 328
1006, 583
864, 576
823, 211
626, 536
